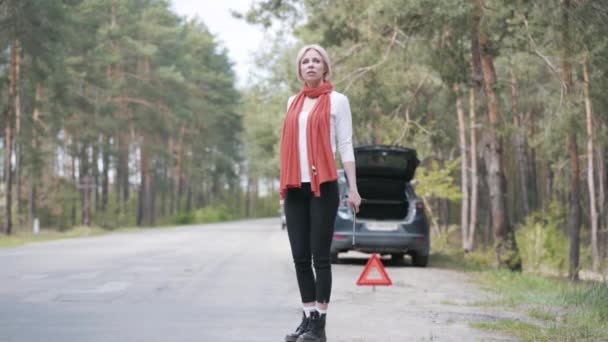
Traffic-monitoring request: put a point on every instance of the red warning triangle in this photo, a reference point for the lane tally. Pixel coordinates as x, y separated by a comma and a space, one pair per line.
374, 263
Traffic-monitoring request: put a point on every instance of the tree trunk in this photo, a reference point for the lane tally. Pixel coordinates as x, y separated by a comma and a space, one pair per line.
95, 170
36, 163
118, 171
432, 216
73, 169
177, 181
519, 142
507, 253
574, 215
484, 195
547, 182
535, 197
487, 233
32, 201
476, 84
10, 115
105, 179
85, 182
474, 176
18, 162
199, 198
214, 190
189, 194
443, 208
590, 175
85, 185
117, 143
170, 170
17, 133
189, 199
164, 174
146, 163
8, 179
125, 190
122, 172
248, 197
252, 196
603, 226
140, 206
462, 139
152, 191
144, 218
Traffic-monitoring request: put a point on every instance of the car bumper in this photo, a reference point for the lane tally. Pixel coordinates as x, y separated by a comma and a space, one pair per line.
405, 238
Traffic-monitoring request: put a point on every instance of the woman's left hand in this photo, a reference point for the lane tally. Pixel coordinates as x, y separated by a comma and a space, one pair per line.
353, 200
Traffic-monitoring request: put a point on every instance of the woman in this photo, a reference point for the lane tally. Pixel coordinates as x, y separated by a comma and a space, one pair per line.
317, 123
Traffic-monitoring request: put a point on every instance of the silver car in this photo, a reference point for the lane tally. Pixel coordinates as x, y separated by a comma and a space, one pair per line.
391, 218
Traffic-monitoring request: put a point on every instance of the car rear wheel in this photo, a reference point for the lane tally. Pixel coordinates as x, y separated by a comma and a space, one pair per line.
397, 257
419, 260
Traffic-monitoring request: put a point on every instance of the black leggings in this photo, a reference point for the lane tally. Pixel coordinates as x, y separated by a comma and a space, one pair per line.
310, 226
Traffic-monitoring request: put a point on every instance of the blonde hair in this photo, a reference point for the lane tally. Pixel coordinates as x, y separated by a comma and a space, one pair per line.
324, 56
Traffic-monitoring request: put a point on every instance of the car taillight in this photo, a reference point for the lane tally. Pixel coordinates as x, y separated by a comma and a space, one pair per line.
419, 205
339, 237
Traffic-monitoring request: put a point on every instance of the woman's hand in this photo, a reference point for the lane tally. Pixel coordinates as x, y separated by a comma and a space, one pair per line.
353, 200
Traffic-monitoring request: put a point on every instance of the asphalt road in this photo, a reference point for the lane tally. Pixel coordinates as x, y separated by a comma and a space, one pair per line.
217, 283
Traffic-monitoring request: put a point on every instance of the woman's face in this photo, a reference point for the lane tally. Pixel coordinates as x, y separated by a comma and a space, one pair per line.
312, 67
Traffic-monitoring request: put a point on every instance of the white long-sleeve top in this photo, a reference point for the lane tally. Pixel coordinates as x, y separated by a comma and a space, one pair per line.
341, 131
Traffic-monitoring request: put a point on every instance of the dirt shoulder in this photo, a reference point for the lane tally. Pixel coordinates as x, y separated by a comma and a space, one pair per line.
424, 304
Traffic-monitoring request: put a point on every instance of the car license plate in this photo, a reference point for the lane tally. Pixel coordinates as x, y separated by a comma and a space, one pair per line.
382, 225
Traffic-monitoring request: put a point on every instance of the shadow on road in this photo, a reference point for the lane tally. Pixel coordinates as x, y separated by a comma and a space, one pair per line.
386, 261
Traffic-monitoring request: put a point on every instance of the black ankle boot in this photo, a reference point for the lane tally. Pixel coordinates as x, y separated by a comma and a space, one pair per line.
316, 329
293, 337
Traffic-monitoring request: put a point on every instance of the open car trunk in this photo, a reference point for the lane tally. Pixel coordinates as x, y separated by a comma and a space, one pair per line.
383, 173
384, 199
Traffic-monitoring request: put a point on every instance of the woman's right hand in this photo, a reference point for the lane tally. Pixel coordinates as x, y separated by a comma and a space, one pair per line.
353, 200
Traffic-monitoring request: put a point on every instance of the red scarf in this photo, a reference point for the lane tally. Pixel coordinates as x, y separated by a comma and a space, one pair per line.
321, 162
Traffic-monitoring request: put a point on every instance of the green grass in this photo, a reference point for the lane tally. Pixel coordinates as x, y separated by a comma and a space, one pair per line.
448, 302
550, 332
559, 310
21, 237
509, 326
459, 261
541, 314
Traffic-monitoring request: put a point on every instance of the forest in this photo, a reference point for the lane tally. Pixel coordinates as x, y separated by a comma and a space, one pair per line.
122, 113
116, 113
